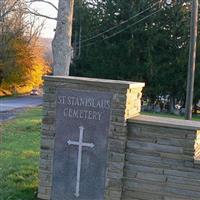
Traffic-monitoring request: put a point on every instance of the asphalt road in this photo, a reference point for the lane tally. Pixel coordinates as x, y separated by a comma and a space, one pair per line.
9, 106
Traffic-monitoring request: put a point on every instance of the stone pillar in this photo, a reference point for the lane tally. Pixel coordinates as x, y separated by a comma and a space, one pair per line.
125, 104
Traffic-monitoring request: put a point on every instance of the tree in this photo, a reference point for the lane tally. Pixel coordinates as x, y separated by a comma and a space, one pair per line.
21, 62
6, 7
129, 39
154, 50
61, 45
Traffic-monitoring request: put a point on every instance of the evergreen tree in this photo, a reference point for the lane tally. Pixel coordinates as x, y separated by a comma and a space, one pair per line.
153, 50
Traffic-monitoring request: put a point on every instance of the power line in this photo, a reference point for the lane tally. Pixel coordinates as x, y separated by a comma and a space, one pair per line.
131, 25
122, 30
114, 27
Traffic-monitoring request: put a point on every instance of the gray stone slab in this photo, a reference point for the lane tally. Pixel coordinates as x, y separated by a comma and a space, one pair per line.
87, 114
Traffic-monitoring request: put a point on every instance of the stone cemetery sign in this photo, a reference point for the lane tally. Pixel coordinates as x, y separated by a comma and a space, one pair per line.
84, 137
80, 150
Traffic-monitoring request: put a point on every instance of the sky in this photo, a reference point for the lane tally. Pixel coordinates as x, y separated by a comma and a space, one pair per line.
50, 25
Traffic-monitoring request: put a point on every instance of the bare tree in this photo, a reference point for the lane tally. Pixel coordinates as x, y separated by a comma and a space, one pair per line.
6, 7
61, 45
16, 20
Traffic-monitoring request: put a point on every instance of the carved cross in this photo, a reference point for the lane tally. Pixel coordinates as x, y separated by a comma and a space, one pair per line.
80, 145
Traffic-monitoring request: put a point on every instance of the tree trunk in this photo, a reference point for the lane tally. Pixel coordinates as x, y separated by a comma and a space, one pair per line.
75, 45
80, 36
195, 108
171, 105
61, 44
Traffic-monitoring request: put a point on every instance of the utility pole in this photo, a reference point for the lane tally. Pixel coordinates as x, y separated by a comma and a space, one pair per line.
192, 60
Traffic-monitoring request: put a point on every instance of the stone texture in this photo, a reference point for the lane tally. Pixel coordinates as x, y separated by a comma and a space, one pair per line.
89, 113
161, 159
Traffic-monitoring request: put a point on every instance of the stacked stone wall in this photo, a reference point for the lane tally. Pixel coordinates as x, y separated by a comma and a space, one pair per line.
148, 158
161, 160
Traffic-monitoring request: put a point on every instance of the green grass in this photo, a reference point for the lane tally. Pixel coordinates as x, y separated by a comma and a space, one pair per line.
195, 117
19, 155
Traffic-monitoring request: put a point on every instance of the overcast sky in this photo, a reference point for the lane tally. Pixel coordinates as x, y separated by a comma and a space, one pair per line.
50, 11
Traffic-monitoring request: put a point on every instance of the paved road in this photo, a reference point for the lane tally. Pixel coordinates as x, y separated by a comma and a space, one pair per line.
9, 106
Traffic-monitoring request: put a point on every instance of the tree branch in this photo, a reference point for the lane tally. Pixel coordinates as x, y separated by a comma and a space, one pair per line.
10, 9
43, 1
40, 15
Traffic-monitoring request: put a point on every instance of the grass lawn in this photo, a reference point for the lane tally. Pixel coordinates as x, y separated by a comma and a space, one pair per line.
195, 118
19, 155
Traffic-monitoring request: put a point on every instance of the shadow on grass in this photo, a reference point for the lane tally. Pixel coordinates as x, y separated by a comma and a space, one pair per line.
194, 117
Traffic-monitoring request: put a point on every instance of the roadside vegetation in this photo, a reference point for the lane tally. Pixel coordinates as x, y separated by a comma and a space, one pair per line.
19, 156
22, 59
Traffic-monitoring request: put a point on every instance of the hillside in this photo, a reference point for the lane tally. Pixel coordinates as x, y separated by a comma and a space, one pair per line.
46, 44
